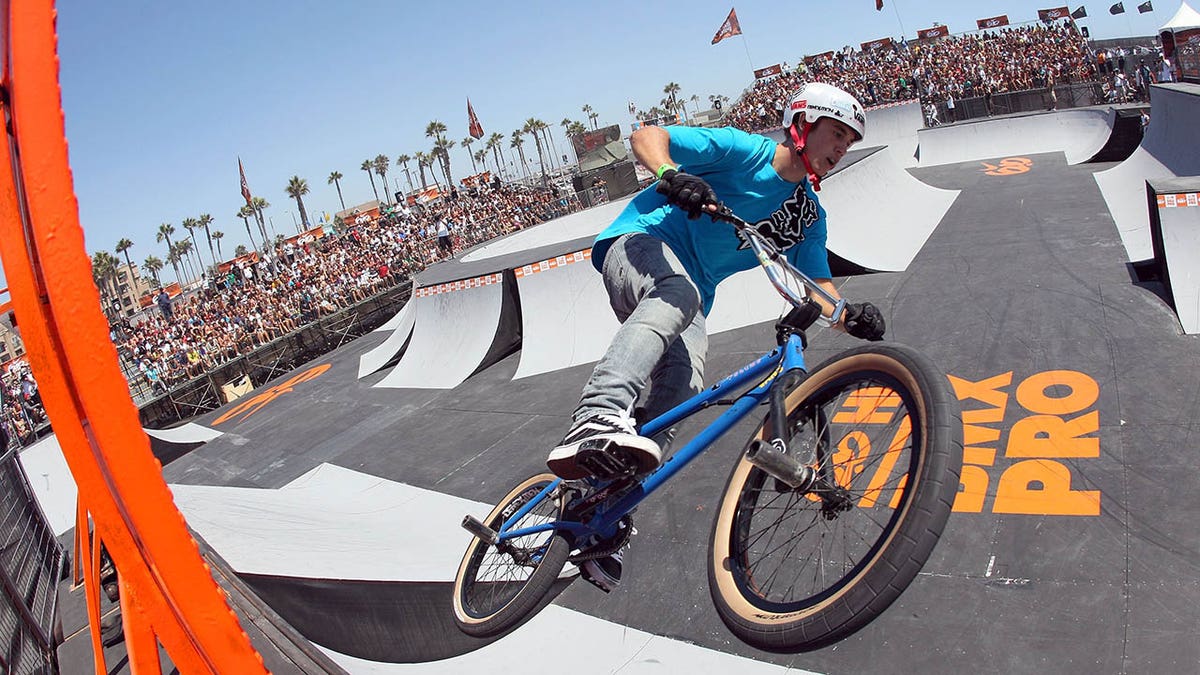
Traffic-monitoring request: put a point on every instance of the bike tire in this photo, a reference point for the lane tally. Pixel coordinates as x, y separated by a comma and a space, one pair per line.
493, 591
794, 586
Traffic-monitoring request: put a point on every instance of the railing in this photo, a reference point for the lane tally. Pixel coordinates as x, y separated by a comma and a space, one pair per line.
1072, 95
31, 565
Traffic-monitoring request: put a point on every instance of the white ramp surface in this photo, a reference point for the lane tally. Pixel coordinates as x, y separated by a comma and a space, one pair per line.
1169, 149
402, 325
1079, 133
586, 223
453, 330
880, 215
185, 433
566, 319
335, 523
394, 322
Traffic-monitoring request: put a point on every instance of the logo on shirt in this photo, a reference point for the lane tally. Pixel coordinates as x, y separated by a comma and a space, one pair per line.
785, 227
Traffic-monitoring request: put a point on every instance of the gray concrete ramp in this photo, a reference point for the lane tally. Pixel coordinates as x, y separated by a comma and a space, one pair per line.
879, 215
565, 317
453, 331
401, 327
1079, 133
1169, 149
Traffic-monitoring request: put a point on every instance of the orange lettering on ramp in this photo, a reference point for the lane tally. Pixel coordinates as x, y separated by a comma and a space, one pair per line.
1009, 166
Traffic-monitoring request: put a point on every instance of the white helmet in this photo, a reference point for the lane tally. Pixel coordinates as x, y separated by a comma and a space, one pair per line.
817, 100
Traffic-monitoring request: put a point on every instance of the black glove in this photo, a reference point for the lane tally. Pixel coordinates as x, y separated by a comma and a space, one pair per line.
688, 192
864, 321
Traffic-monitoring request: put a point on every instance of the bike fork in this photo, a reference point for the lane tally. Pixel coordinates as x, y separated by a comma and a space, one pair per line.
772, 456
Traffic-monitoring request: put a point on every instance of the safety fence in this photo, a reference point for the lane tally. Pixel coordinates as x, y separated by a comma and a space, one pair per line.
31, 565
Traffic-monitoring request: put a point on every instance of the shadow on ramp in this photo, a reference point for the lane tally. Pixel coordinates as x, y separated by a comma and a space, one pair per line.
383, 621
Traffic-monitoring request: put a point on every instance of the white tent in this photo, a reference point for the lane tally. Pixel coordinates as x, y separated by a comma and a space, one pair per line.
1180, 39
1184, 19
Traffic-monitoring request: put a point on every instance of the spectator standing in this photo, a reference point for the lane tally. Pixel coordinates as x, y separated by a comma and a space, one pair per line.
163, 300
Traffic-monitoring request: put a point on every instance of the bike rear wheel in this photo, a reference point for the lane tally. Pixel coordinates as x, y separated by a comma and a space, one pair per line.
495, 589
797, 570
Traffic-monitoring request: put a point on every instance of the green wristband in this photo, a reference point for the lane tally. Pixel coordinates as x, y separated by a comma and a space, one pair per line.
663, 169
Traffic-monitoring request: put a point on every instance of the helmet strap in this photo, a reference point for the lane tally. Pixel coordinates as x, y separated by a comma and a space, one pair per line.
799, 140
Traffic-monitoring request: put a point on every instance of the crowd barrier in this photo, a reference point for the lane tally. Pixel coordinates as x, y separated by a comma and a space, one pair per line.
31, 565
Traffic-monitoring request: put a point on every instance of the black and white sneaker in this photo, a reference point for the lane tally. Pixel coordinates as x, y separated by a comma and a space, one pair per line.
601, 445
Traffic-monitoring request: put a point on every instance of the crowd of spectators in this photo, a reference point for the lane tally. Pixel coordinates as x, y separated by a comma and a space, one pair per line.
21, 411
977, 64
263, 298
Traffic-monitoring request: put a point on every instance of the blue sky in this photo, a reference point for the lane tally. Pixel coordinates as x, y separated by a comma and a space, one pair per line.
161, 98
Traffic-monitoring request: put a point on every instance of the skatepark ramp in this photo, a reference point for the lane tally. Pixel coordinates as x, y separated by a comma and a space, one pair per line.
459, 328
1080, 133
1170, 149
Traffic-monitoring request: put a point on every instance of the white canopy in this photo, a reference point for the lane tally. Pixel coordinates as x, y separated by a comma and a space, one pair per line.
1185, 19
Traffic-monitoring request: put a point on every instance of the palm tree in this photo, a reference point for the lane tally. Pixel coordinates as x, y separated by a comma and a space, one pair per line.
587, 110
441, 150
183, 251
549, 139
258, 204
240, 251
164, 232
422, 162
218, 235
517, 142
428, 159
153, 265
296, 188
437, 131
104, 266
494, 144
245, 213
368, 167
695, 99
123, 247
334, 177
531, 127
205, 221
190, 224
480, 156
403, 161
466, 143
380, 164
576, 128
672, 90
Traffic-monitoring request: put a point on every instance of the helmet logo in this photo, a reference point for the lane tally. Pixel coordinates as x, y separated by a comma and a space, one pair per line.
799, 105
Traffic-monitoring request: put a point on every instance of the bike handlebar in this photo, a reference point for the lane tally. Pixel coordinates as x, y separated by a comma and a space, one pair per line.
767, 253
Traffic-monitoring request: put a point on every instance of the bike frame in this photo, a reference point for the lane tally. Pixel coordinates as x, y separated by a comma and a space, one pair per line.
767, 370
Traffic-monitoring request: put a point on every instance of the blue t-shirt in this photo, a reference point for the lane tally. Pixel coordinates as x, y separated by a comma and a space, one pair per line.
738, 167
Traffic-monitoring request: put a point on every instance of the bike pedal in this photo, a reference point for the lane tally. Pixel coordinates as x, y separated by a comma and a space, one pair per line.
606, 460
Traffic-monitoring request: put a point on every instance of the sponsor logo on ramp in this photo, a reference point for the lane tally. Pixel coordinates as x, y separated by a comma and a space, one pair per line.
1009, 166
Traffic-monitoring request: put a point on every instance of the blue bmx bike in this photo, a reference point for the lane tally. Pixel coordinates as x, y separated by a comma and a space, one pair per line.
830, 511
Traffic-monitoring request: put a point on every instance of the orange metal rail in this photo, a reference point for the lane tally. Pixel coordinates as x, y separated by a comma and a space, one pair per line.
168, 596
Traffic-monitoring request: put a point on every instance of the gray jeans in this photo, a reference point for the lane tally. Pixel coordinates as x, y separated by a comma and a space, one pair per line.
662, 338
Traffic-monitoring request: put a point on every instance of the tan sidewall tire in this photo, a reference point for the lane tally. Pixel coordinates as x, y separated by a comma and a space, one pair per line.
722, 576
465, 620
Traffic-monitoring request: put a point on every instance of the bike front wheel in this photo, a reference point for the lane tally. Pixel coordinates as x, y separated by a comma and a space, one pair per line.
796, 570
497, 588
